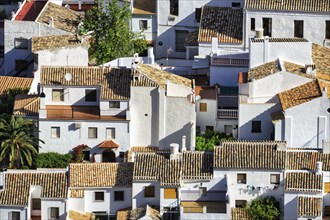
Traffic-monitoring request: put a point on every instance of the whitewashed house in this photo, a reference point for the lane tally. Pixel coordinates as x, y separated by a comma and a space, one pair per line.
100, 188
29, 194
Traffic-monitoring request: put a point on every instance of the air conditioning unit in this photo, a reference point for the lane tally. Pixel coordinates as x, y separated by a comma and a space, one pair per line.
171, 18
77, 125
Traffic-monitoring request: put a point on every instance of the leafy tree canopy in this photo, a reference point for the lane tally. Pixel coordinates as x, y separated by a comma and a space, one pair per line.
112, 37
53, 160
264, 208
207, 141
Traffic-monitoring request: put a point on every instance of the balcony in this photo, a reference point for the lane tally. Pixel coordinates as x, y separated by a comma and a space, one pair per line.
228, 61
228, 114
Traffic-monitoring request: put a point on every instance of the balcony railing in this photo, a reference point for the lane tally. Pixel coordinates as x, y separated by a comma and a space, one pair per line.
228, 114
221, 61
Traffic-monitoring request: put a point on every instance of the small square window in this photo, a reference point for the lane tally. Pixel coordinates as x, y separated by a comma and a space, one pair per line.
114, 104
54, 213
92, 132
299, 28
149, 191
119, 196
256, 127
203, 107
143, 24
99, 196
15, 215
86, 154
327, 29
36, 204
274, 178
21, 43
198, 12
110, 133
55, 132
240, 203
58, 95
241, 178
90, 95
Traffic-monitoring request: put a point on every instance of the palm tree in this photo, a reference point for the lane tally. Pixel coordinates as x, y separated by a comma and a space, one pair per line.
18, 145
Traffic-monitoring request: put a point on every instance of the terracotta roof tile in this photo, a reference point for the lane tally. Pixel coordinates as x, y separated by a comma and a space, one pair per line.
26, 105
309, 206
56, 41
300, 94
289, 5
321, 57
302, 160
223, 23
148, 166
77, 193
144, 149
263, 70
17, 186
64, 18
197, 165
109, 144
250, 155
171, 173
8, 82
297, 69
85, 175
207, 92
144, 7
239, 214
278, 40
303, 181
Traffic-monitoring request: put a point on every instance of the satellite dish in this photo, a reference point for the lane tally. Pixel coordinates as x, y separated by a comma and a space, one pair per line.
68, 76
309, 70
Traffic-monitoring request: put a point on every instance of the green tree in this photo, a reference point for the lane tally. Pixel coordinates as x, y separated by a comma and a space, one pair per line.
53, 160
18, 145
111, 34
263, 208
8, 99
207, 141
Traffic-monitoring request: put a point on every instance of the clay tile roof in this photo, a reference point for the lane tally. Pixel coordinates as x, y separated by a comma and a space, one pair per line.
101, 175
115, 83
278, 40
302, 160
144, 149
171, 173
26, 105
207, 92
197, 165
192, 39
309, 206
250, 155
8, 82
158, 77
109, 144
17, 186
303, 181
239, 214
289, 5
300, 94
77, 193
64, 18
224, 23
321, 57
263, 70
56, 41
148, 166
297, 69
144, 7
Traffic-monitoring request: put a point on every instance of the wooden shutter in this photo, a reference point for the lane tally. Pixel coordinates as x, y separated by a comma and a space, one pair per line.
170, 193
203, 107
327, 187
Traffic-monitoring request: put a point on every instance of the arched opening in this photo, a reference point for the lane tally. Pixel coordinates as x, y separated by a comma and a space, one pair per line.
108, 156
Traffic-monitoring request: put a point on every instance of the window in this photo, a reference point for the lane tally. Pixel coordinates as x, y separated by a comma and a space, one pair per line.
235, 4
274, 178
327, 29
54, 213
149, 191
240, 203
55, 132
267, 26
21, 65
15, 215
21, 43
209, 128
110, 133
119, 196
92, 132
202, 191
203, 107
99, 196
170, 193
143, 24
241, 178
90, 95
216, 207
180, 38
114, 104
299, 29
174, 7
256, 126
86, 154
198, 12
58, 95
36, 204
253, 24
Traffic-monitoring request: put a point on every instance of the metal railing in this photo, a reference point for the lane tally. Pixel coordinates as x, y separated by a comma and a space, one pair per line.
227, 114
221, 61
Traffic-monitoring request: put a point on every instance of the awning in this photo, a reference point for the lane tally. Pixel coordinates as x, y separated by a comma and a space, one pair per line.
109, 144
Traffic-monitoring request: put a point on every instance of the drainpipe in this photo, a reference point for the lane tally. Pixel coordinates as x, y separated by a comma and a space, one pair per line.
266, 49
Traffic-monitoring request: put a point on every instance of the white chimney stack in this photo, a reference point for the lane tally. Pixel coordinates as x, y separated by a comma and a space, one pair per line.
79, 5
319, 167
151, 57
214, 45
184, 147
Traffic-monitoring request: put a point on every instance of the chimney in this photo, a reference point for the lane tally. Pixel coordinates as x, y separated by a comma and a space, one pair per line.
174, 148
325, 92
133, 157
183, 148
79, 5
214, 45
266, 49
2, 180
319, 168
151, 57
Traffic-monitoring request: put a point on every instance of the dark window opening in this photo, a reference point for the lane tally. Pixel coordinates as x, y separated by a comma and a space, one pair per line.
267, 26
90, 95
86, 154
327, 29
256, 126
235, 4
240, 203
15, 215
253, 24
36, 204
21, 43
143, 24
149, 191
174, 7
99, 196
119, 196
198, 13
180, 38
114, 104
241, 178
299, 29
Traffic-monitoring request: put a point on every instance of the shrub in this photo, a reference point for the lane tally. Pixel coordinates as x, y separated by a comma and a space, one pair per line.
53, 160
264, 208
207, 141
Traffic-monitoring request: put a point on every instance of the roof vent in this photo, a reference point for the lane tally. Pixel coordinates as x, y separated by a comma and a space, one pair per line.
260, 33
310, 69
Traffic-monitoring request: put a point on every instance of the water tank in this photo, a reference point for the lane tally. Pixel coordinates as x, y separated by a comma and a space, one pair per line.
174, 147
260, 33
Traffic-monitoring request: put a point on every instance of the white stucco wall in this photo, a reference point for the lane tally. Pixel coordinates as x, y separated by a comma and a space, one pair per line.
47, 204
5, 212
76, 204
138, 198
283, 24
71, 137
177, 90
151, 31
105, 110
208, 118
